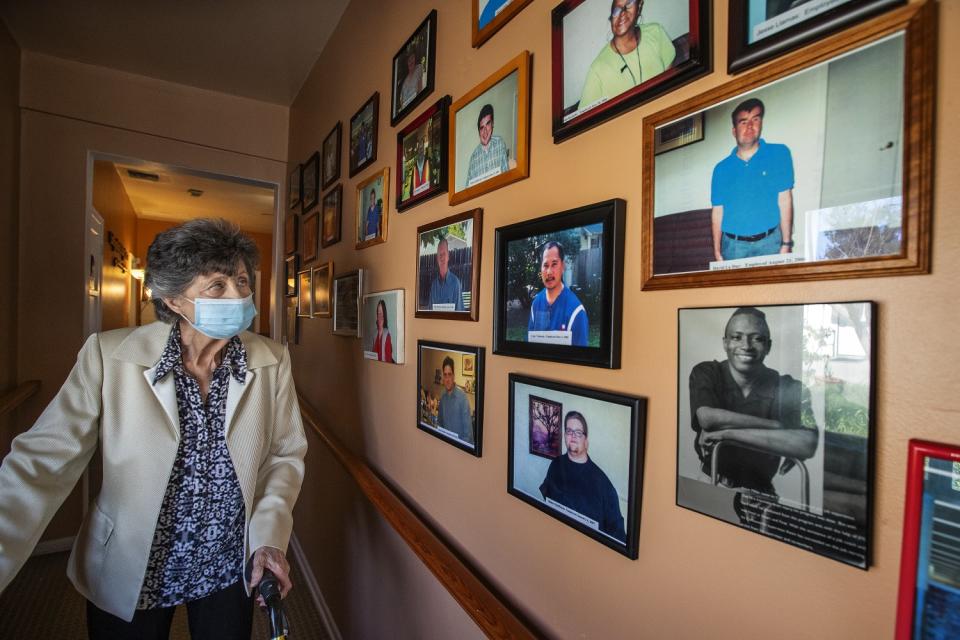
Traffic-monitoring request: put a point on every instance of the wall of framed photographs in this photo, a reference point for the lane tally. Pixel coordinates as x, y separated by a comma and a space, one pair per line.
894, 381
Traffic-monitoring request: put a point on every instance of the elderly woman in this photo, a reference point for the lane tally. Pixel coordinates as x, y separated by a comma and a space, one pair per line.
202, 446
635, 53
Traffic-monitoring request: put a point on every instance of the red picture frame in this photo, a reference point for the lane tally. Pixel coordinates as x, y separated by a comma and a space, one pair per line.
919, 451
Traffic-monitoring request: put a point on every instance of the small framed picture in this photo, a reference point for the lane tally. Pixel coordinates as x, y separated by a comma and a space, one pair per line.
305, 293
322, 282
291, 266
775, 422
331, 156
490, 15
382, 331
790, 181
294, 186
347, 297
558, 286
450, 401
546, 427
311, 183
678, 134
332, 215
291, 225
363, 135
413, 69
595, 481
448, 267
929, 582
610, 57
422, 156
373, 209
291, 325
311, 237
760, 31
490, 132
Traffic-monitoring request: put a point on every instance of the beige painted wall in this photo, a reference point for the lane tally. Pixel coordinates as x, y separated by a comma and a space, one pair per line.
9, 169
167, 109
183, 127
695, 577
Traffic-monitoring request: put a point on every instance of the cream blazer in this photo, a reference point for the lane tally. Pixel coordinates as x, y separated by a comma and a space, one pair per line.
109, 399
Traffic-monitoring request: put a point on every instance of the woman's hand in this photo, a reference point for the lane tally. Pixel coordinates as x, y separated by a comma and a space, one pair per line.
273, 559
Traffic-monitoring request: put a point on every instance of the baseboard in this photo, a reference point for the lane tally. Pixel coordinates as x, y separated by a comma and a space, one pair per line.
328, 622
53, 546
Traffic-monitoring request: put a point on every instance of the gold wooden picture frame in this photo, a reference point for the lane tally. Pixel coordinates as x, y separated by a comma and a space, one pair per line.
373, 209
322, 280
490, 132
844, 221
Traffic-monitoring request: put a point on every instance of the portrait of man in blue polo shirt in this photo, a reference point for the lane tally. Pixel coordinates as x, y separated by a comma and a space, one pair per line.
752, 192
556, 315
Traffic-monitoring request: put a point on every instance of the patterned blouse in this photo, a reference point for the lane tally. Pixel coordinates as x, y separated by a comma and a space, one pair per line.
198, 543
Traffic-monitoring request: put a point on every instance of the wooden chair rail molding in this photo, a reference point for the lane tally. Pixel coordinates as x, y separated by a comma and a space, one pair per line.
13, 399
491, 613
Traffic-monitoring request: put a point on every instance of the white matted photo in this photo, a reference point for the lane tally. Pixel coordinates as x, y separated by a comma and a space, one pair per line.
382, 326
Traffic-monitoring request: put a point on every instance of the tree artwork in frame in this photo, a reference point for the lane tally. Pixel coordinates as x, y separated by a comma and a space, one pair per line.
450, 400
305, 293
609, 57
760, 31
775, 420
928, 605
819, 167
448, 267
594, 482
558, 286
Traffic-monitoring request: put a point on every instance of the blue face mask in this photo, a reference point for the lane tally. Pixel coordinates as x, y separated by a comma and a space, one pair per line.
222, 318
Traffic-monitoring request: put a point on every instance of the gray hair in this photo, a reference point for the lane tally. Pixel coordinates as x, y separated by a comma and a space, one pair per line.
196, 247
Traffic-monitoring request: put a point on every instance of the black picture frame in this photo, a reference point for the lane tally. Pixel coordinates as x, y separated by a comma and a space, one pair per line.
432, 356
794, 31
601, 225
575, 46
362, 144
295, 187
616, 430
311, 183
434, 123
331, 157
811, 371
422, 44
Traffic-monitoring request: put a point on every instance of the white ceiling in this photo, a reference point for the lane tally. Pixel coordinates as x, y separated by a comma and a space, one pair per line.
251, 48
248, 205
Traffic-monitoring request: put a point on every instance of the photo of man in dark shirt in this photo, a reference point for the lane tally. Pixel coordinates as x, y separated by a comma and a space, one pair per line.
575, 481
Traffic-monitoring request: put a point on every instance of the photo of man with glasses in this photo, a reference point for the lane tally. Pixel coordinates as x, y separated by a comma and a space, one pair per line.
574, 483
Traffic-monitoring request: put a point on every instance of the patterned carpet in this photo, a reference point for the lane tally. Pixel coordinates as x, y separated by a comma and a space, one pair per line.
41, 603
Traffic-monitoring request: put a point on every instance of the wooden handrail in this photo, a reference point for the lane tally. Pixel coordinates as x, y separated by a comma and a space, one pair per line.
13, 399
491, 613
